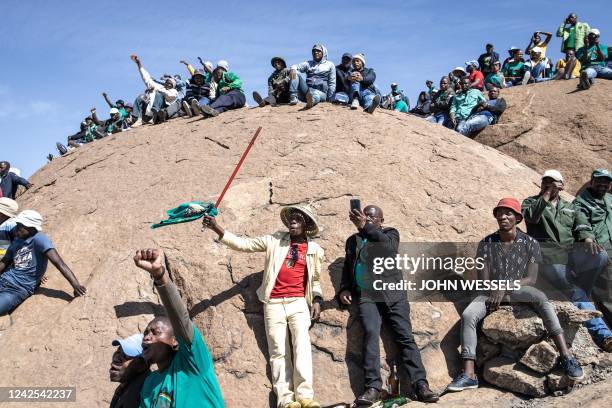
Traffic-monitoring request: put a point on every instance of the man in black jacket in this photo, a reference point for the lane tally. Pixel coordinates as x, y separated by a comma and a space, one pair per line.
9, 181
343, 85
440, 104
363, 91
487, 60
372, 239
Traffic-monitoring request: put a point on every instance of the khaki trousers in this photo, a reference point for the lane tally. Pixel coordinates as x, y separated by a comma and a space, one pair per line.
291, 377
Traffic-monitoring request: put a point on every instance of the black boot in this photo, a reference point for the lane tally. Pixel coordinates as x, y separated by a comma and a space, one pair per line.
424, 393
369, 397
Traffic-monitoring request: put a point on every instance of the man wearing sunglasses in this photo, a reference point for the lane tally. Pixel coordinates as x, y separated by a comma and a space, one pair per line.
372, 238
290, 286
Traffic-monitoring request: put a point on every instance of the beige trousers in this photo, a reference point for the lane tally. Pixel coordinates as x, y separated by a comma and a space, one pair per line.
291, 377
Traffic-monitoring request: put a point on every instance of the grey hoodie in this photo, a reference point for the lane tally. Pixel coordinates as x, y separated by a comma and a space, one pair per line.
319, 75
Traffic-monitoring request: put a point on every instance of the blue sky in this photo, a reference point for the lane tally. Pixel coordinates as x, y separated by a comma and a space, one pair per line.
59, 56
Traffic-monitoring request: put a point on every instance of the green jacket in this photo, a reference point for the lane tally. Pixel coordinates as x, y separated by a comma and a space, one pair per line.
594, 218
229, 80
551, 225
582, 29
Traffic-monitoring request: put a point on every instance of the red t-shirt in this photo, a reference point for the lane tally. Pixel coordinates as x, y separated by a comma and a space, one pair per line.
291, 279
477, 75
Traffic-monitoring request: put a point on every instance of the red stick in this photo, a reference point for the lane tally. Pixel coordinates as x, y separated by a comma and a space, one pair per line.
238, 167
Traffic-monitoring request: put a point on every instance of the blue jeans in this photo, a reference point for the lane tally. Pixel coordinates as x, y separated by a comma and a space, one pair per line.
599, 72
10, 297
475, 123
587, 267
139, 106
538, 71
340, 98
298, 87
159, 103
365, 97
441, 118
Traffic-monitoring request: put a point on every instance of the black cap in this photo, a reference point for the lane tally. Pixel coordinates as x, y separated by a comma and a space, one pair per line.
347, 55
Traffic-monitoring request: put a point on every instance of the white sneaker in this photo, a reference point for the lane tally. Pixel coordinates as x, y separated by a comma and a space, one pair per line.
526, 77
355, 104
187, 109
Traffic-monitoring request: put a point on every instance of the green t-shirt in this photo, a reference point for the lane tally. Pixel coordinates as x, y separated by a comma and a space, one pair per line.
190, 380
592, 56
514, 69
494, 79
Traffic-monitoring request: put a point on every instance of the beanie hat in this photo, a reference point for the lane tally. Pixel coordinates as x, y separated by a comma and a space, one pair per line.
361, 57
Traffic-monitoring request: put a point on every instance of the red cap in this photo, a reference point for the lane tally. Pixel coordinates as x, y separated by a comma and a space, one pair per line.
511, 203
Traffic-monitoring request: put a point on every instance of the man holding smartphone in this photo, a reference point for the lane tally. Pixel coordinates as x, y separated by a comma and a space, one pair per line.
572, 32
373, 308
593, 58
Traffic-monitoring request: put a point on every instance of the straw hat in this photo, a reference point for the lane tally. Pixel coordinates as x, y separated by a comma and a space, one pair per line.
312, 225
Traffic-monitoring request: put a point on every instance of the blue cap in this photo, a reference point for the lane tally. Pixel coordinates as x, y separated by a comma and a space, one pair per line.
131, 346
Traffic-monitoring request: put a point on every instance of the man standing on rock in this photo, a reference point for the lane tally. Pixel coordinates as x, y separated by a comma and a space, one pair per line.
552, 220
509, 255
572, 32
23, 266
290, 286
594, 207
185, 375
374, 307
313, 81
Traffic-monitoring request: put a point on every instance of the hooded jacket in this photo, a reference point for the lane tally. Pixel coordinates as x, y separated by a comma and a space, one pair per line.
342, 82
170, 95
319, 75
228, 80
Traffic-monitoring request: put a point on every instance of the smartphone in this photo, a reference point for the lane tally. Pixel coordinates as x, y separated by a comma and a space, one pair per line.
355, 204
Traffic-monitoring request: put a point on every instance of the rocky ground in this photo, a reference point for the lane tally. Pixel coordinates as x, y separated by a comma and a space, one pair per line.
99, 201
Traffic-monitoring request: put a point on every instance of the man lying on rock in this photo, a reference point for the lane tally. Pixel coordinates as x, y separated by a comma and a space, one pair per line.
356, 286
290, 286
130, 370
509, 254
573, 269
24, 265
185, 375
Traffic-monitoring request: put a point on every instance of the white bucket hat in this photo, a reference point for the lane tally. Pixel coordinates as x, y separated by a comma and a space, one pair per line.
29, 218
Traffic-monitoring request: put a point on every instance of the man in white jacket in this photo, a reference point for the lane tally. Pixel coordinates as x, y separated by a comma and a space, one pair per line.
164, 102
289, 287
313, 81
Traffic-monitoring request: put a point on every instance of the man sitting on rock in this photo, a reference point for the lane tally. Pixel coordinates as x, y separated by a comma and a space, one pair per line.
374, 307
463, 104
441, 103
198, 92
130, 370
593, 56
515, 71
484, 114
568, 67
495, 79
8, 211
23, 266
509, 255
594, 207
114, 124
313, 81
278, 85
343, 85
164, 102
10, 182
289, 288
396, 100
552, 220
185, 375
228, 92
474, 75
363, 92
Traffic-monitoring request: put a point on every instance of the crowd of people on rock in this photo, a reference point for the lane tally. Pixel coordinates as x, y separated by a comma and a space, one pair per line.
210, 91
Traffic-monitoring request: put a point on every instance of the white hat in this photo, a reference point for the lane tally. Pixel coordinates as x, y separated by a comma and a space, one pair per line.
594, 31
360, 56
553, 174
223, 64
114, 111
209, 65
29, 218
8, 207
536, 50
131, 346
